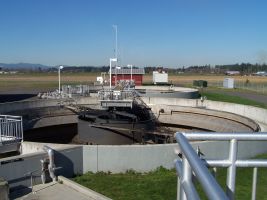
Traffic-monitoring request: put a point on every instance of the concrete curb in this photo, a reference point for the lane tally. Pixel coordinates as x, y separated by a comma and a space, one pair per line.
84, 190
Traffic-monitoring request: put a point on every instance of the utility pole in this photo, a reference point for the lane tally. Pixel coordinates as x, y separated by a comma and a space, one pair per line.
116, 50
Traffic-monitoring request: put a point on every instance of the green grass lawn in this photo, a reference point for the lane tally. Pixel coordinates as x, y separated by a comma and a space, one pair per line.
159, 184
162, 184
232, 99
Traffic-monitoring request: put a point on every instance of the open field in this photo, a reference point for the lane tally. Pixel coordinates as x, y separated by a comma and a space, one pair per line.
36, 82
33, 83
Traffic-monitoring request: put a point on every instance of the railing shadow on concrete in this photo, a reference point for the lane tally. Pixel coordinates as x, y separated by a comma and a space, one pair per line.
190, 163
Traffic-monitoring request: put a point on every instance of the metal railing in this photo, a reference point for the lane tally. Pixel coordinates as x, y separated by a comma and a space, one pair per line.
11, 129
115, 94
82, 90
191, 163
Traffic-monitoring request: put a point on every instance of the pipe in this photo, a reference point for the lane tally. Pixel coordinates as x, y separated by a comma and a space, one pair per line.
225, 136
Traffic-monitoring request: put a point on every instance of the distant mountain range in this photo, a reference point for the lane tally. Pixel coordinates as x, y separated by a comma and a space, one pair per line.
23, 65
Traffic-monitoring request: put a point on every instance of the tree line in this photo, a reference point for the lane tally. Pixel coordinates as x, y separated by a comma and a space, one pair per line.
243, 68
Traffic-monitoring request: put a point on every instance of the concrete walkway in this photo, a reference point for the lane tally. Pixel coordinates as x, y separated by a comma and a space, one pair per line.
51, 191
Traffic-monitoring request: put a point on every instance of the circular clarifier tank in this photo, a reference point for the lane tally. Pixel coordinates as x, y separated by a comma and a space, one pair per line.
59, 121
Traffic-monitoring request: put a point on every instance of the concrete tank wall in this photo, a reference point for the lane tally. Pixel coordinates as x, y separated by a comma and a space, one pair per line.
28, 106
87, 100
78, 159
34, 147
174, 94
14, 169
144, 158
168, 92
258, 114
22, 105
166, 88
254, 113
52, 121
206, 119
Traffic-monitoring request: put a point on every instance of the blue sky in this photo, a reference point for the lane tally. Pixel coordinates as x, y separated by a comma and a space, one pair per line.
170, 33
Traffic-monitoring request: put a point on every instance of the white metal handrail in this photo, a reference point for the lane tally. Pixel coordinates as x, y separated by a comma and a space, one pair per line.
192, 163
76, 89
115, 95
11, 128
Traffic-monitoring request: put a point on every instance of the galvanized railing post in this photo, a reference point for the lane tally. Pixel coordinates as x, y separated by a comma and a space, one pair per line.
21, 131
254, 183
178, 188
214, 172
187, 176
179, 171
5, 122
16, 129
231, 171
190, 157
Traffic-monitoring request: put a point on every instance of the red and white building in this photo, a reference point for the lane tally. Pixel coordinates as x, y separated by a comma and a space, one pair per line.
125, 74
